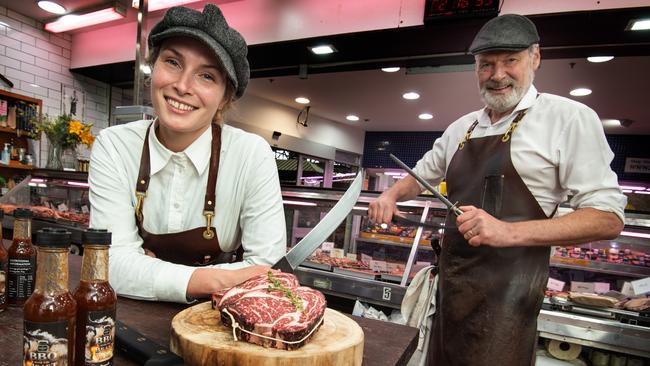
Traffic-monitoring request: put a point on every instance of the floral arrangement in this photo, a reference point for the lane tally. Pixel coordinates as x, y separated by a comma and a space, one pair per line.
63, 131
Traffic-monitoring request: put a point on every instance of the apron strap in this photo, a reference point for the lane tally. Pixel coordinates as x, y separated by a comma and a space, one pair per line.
142, 184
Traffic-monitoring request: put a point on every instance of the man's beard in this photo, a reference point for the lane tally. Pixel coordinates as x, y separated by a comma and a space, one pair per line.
503, 103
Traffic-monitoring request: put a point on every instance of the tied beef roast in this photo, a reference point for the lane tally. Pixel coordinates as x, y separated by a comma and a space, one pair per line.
273, 305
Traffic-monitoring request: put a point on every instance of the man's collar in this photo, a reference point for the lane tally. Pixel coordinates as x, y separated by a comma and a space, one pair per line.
198, 152
526, 102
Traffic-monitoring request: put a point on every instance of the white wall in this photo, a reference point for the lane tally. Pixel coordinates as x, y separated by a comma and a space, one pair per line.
37, 62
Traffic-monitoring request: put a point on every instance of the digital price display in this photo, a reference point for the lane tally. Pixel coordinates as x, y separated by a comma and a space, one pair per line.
448, 9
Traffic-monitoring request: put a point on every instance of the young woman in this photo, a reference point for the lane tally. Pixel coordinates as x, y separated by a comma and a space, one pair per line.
194, 205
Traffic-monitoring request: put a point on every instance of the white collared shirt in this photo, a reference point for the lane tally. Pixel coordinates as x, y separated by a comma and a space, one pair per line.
248, 207
558, 149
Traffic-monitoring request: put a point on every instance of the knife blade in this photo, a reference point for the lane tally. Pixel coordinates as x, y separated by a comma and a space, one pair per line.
452, 207
305, 247
143, 350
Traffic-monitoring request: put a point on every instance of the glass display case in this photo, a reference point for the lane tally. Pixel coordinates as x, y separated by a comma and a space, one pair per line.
56, 198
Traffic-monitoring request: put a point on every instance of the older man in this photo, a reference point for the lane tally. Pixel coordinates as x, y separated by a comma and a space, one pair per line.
509, 165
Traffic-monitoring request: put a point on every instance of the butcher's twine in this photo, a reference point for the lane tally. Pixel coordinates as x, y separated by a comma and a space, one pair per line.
236, 326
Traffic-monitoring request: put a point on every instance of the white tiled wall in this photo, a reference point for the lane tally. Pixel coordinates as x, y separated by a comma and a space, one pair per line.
37, 62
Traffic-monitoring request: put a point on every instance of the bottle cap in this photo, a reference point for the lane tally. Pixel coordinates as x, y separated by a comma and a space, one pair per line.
23, 213
96, 236
53, 238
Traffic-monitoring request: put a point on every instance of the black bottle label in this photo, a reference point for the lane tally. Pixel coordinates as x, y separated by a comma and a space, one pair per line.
100, 338
46, 344
21, 278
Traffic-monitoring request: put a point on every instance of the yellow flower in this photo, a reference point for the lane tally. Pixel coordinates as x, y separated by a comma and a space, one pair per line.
76, 127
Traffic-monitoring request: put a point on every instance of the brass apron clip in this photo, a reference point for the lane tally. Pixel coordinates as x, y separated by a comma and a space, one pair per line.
208, 233
138, 205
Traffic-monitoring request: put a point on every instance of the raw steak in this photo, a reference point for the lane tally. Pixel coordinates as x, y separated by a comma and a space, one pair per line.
273, 305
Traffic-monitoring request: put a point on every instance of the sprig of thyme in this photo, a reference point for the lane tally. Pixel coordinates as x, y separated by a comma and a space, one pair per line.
276, 285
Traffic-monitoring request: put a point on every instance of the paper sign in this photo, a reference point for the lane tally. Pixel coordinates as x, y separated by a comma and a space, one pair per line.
62, 207
327, 246
390, 267
642, 286
378, 266
586, 287
627, 289
601, 287
365, 259
84, 209
351, 256
554, 284
337, 253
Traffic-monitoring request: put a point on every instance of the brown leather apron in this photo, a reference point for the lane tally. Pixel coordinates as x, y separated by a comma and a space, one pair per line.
488, 298
195, 247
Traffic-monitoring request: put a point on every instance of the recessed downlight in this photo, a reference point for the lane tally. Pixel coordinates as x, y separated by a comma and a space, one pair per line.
411, 95
580, 92
598, 59
390, 69
302, 100
51, 7
323, 49
608, 122
425, 116
352, 117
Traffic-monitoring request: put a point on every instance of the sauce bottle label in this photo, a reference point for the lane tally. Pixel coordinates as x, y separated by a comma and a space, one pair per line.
21, 278
45, 344
100, 337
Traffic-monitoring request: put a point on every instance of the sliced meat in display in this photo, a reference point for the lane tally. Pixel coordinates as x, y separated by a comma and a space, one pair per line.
273, 310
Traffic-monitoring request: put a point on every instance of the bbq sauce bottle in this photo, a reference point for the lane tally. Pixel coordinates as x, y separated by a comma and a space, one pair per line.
49, 314
22, 259
4, 268
96, 301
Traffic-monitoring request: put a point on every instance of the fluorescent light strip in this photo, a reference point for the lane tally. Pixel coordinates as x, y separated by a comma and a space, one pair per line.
164, 4
633, 188
642, 192
636, 235
298, 203
78, 184
70, 22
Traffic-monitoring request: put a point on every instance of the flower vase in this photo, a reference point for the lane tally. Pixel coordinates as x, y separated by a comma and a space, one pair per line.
54, 153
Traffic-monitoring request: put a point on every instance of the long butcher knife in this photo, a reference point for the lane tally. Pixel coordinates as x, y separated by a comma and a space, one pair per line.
305, 247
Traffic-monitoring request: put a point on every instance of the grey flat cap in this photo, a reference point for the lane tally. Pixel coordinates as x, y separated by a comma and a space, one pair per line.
211, 28
509, 32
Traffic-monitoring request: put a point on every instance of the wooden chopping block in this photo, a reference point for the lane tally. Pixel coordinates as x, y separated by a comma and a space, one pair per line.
198, 336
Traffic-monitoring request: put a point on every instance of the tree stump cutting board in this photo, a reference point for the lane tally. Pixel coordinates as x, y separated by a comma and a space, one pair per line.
198, 336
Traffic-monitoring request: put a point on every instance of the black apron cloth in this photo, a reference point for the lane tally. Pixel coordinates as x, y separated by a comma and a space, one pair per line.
488, 298
195, 247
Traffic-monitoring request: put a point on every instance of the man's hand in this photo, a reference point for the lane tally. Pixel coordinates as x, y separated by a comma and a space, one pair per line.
382, 209
480, 228
206, 281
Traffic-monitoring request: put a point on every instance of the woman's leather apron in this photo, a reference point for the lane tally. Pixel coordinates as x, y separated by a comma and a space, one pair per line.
488, 298
195, 247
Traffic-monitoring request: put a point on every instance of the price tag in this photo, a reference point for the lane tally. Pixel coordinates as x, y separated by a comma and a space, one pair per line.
392, 267
378, 266
337, 253
351, 256
84, 209
642, 286
601, 287
365, 259
627, 289
586, 287
327, 246
62, 207
554, 284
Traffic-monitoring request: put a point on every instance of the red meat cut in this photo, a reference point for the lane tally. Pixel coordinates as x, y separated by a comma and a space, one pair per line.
275, 306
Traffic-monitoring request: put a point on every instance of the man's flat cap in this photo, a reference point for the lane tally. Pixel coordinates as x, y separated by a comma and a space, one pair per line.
211, 28
509, 32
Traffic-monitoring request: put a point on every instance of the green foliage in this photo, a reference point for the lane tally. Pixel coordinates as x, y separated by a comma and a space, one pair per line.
62, 130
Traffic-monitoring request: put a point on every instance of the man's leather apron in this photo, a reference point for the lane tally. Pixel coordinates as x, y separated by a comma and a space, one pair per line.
195, 247
488, 298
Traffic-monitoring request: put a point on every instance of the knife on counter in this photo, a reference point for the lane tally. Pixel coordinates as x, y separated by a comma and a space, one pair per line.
142, 349
305, 247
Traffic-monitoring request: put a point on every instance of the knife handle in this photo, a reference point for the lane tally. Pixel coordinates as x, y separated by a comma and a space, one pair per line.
142, 349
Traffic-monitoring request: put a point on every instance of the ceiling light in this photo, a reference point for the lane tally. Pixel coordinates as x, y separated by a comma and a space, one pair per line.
352, 117
632, 188
390, 69
73, 21
51, 7
425, 116
411, 95
322, 50
597, 59
580, 92
302, 100
146, 69
611, 122
154, 5
638, 24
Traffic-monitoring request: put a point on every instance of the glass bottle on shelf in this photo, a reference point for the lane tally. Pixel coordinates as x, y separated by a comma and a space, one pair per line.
4, 268
96, 300
22, 259
49, 314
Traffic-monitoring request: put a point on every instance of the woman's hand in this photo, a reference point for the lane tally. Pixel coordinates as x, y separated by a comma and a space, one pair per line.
206, 281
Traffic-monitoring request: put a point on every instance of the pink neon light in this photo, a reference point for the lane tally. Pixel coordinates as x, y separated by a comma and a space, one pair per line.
37, 180
164, 4
298, 203
636, 235
642, 192
78, 184
626, 190
633, 188
70, 22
